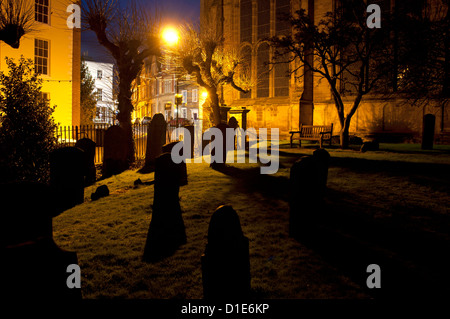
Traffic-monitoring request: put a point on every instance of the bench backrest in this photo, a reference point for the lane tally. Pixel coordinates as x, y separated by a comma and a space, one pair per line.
314, 130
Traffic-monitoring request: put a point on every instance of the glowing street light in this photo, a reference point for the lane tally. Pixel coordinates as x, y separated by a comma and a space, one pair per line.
170, 36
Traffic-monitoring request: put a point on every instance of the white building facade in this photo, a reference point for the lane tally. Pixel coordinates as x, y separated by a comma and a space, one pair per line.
103, 75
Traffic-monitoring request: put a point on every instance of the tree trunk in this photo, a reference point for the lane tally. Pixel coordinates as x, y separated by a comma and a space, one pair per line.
215, 106
125, 108
344, 133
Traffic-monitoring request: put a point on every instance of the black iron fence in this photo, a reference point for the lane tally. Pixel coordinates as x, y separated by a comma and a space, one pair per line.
69, 135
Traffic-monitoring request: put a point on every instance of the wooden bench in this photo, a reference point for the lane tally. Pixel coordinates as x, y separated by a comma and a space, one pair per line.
318, 133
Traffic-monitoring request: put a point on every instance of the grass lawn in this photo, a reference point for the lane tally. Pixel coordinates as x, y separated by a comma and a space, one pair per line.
400, 184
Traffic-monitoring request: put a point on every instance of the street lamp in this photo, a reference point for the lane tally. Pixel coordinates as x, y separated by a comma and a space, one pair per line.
171, 37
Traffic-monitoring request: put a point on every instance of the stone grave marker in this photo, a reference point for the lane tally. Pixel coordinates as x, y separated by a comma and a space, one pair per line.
226, 261
114, 152
166, 232
167, 148
67, 176
156, 138
88, 146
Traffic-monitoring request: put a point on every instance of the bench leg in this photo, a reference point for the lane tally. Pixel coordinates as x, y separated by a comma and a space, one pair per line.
291, 140
300, 143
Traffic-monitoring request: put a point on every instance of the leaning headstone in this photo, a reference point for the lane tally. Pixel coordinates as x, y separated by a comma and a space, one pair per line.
33, 266
67, 176
428, 131
166, 232
156, 138
226, 261
114, 152
88, 146
372, 145
167, 148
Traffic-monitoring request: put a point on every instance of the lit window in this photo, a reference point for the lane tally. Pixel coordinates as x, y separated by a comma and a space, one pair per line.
99, 74
45, 96
41, 56
184, 113
184, 94
195, 95
99, 94
41, 11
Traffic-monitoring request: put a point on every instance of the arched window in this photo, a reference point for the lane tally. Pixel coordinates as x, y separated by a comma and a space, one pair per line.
263, 70
246, 55
283, 9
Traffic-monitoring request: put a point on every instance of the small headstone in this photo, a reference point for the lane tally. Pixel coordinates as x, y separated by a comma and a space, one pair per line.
114, 152
166, 232
156, 138
67, 176
428, 131
226, 261
88, 146
370, 146
101, 191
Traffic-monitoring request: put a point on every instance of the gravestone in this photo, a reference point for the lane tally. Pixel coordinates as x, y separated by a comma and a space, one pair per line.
114, 152
167, 148
166, 232
322, 159
191, 130
33, 266
67, 176
156, 138
226, 261
307, 184
101, 191
428, 131
88, 146
219, 162
372, 145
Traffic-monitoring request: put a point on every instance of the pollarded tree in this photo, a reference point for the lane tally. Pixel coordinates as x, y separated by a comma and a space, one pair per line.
16, 19
27, 129
203, 55
129, 36
349, 55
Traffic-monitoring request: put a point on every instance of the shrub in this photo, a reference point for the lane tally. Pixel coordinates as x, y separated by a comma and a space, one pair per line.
26, 125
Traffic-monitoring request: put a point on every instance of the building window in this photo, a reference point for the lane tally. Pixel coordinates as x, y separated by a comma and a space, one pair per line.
263, 19
283, 10
41, 11
184, 96
183, 113
246, 20
195, 95
41, 56
246, 68
99, 94
99, 74
45, 96
263, 71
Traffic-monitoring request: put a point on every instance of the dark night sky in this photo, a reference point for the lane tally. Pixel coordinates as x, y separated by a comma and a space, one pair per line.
169, 12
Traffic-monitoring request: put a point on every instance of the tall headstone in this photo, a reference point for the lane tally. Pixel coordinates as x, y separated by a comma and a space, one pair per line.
114, 152
429, 121
226, 261
33, 267
156, 138
67, 176
220, 161
88, 146
308, 178
166, 232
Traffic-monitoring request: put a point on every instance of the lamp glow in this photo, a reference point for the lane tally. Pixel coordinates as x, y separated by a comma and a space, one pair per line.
170, 36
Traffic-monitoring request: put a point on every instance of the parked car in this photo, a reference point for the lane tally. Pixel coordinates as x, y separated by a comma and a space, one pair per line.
146, 120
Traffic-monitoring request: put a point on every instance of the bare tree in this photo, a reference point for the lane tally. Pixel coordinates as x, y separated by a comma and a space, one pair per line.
130, 36
203, 55
351, 57
16, 19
